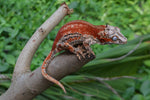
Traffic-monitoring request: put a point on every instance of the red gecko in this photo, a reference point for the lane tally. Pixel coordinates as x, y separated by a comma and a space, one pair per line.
81, 32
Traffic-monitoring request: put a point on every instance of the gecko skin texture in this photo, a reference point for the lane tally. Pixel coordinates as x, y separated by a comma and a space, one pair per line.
81, 32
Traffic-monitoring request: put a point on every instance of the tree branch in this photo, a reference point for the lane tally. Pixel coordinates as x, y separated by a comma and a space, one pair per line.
25, 57
29, 85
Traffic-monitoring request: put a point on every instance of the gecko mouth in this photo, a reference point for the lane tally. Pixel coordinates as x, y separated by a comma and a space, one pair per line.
118, 42
123, 42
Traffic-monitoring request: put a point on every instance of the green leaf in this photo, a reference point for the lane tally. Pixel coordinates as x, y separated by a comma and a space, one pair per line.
145, 88
138, 97
147, 63
73, 4
5, 84
129, 92
83, 8
14, 33
4, 67
147, 97
10, 59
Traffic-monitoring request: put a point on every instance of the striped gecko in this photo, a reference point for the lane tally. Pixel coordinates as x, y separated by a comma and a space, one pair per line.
81, 32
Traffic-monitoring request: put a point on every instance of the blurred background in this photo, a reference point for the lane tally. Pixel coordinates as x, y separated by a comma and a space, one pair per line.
19, 19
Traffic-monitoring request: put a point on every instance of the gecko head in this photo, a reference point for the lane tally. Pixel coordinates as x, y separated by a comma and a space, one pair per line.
111, 35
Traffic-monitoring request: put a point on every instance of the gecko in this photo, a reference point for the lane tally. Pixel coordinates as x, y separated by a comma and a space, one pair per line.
81, 32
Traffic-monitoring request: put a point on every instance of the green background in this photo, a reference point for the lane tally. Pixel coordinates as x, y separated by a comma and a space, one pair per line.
19, 19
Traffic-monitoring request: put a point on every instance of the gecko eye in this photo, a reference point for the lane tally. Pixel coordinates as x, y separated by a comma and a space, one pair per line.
114, 38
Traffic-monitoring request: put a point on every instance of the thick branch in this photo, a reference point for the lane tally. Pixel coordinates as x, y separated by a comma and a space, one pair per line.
30, 85
25, 57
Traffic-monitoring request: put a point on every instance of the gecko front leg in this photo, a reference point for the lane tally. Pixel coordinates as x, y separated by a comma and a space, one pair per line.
88, 49
89, 40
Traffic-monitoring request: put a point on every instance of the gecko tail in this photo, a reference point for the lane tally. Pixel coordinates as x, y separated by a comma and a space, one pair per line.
52, 79
43, 70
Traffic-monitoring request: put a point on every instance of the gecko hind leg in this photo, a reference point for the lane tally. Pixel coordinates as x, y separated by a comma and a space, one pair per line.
72, 49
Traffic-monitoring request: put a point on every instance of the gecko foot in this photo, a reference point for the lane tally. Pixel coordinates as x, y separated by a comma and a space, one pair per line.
84, 53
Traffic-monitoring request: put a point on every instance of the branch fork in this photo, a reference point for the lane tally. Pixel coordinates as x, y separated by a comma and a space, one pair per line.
26, 84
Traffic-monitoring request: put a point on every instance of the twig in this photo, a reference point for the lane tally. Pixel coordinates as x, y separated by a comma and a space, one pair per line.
130, 52
4, 77
115, 78
108, 79
77, 91
109, 87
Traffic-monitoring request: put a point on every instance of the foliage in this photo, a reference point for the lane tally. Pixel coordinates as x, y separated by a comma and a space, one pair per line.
19, 19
